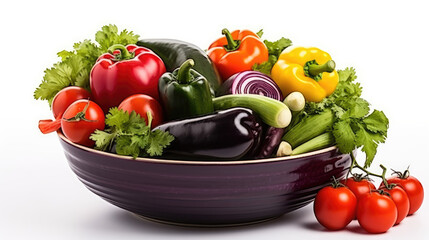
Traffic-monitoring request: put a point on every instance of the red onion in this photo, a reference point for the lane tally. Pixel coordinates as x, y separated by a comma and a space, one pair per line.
251, 82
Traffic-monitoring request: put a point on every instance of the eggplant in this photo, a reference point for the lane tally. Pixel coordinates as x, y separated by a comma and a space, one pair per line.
271, 140
225, 135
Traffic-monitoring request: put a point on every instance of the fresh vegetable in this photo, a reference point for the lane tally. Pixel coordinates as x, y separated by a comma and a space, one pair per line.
309, 128
334, 206
185, 93
298, 70
271, 140
142, 104
224, 135
295, 101
353, 125
175, 52
274, 50
251, 82
80, 120
285, 149
119, 74
236, 52
62, 100
75, 65
130, 135
272, 112
359, 185
412, 186
376, 212
322, 141
400, 198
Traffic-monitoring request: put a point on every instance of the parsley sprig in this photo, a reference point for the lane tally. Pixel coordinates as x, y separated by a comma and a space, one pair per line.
130, 135
75, 65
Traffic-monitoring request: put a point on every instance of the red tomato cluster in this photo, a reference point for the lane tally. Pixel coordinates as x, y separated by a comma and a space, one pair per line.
376, 210
79, 117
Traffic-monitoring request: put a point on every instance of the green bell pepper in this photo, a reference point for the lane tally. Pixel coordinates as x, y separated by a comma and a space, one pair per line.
185, 93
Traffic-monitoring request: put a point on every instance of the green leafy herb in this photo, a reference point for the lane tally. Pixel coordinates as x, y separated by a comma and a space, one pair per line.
274, 50
130, 135
354, 125
75, 65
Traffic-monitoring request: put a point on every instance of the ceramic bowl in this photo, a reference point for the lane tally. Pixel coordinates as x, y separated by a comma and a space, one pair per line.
206, 193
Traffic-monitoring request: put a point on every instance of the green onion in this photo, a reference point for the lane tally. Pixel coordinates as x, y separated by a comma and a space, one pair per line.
322, 141
309, 127
271, 111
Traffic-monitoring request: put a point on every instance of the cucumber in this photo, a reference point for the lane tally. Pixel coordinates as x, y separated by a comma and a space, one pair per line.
272, 112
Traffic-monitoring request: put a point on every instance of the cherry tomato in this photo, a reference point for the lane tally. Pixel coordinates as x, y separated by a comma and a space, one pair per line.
376, 213
412, 186
67, 96
60, 103
358, 185
141, 104
400, 198
80, 120
335, 207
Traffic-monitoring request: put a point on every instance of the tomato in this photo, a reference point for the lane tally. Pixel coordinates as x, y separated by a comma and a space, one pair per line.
400, 198
67, 96
60, 103
335, 207
80, 120
141, 104
376, 213
412, 186
358, 185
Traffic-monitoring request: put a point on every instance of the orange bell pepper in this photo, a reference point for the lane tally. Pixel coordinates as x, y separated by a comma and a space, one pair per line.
236, 52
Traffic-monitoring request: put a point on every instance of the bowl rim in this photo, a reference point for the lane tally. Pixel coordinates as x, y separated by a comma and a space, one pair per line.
192, 162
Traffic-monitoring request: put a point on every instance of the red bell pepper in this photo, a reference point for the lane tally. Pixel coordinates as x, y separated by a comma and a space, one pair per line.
236, 52
119, 74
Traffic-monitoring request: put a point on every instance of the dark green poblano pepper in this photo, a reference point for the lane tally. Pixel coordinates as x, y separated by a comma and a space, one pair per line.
185, 93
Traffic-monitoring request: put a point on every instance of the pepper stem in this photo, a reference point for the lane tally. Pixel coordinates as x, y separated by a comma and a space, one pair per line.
183, 75
125, 54
232, 44
315, 69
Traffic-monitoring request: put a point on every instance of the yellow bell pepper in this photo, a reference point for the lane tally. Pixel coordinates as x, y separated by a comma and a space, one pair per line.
298, 70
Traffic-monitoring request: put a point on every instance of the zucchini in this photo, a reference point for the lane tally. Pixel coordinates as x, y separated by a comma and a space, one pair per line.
272, 112
322, 141
309, 127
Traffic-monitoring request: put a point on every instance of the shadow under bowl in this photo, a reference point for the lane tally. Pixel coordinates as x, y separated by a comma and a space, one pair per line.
206, 193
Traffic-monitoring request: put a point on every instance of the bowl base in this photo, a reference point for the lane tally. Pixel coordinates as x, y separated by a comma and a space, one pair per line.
141, 217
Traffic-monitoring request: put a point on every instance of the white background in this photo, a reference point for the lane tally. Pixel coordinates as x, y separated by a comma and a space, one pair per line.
40, 198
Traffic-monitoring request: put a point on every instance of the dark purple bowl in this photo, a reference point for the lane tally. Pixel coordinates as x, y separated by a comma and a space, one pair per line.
206, 193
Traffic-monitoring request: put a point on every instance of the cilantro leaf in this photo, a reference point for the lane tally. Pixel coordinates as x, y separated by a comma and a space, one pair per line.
274, 50
130, 135
344, 136
377, 122
108, 35
103, 139
158, 141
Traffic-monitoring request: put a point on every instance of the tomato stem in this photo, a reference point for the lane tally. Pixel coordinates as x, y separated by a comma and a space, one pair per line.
382, 176
80, 116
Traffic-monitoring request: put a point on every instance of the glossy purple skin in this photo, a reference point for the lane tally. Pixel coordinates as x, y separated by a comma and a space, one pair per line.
206, 193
